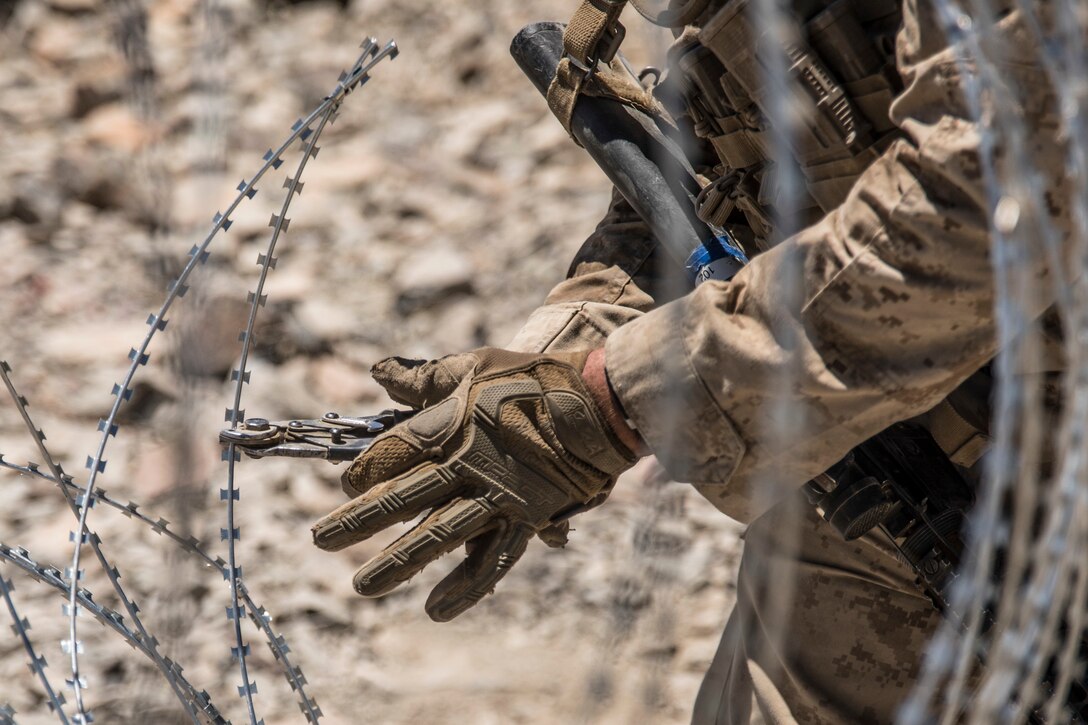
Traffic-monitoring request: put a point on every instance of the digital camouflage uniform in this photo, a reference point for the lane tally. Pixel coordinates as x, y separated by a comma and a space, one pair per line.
896, 309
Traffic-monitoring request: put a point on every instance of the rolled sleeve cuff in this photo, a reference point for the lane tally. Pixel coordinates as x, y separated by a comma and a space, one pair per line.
570, 326
651, 373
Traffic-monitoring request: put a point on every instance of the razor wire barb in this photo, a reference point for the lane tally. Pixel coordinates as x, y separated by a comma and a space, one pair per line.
190, 544
72, 645
309, 133
52, 577
1040, 612
37, 664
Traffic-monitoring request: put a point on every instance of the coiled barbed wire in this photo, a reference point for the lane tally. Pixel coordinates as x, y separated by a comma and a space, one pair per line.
309, 131
192, 545
1041, 599
72, 646
157, 321
51, 576
138, 356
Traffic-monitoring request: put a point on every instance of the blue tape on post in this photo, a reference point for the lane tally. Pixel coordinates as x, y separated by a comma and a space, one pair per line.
719, 259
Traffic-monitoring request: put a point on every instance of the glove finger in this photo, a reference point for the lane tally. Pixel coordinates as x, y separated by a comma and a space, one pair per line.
495, 553
420, 383
440, 533
393, 502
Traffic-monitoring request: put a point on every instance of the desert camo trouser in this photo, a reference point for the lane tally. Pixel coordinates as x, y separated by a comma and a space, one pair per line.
847, 648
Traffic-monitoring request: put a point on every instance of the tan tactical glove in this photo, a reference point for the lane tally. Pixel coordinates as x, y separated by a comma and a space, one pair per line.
507, 442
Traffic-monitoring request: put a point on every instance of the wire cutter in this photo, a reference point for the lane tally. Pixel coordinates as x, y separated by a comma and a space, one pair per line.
333, 437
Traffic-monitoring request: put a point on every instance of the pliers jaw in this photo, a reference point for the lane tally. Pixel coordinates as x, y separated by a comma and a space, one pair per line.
333, 437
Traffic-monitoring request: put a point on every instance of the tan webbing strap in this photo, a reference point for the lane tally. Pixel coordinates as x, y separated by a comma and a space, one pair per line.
564, 91
579, 70
583, 35
589, 24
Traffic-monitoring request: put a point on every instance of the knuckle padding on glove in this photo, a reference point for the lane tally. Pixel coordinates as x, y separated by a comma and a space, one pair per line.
492, 397
403, 448
569, 414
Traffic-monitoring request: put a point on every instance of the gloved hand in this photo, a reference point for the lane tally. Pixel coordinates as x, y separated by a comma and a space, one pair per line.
422, 383
506, 443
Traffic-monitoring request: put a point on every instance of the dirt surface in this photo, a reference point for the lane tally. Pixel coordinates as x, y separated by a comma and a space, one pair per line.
444, 203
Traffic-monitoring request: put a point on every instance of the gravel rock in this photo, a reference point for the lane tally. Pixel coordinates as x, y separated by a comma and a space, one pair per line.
74, 6
115, 126
326, 318
428, 277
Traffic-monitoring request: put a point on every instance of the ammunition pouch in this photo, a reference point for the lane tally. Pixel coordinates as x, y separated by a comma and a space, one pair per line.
840, 84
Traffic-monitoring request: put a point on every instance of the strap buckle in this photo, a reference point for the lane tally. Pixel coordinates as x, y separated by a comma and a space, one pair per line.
717, 199
603, 52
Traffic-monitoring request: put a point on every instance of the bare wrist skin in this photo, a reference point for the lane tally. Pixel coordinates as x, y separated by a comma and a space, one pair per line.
596, 380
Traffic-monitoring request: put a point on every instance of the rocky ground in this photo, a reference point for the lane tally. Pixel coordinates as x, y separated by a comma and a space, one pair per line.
444, 203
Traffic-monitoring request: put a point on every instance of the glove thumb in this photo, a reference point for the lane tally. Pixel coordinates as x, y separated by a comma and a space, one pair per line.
422, 383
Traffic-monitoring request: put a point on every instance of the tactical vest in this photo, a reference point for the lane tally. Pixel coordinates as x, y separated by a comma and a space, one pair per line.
839, 87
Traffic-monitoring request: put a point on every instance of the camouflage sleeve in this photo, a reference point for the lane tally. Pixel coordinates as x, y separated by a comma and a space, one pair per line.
891, 301
610, 282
